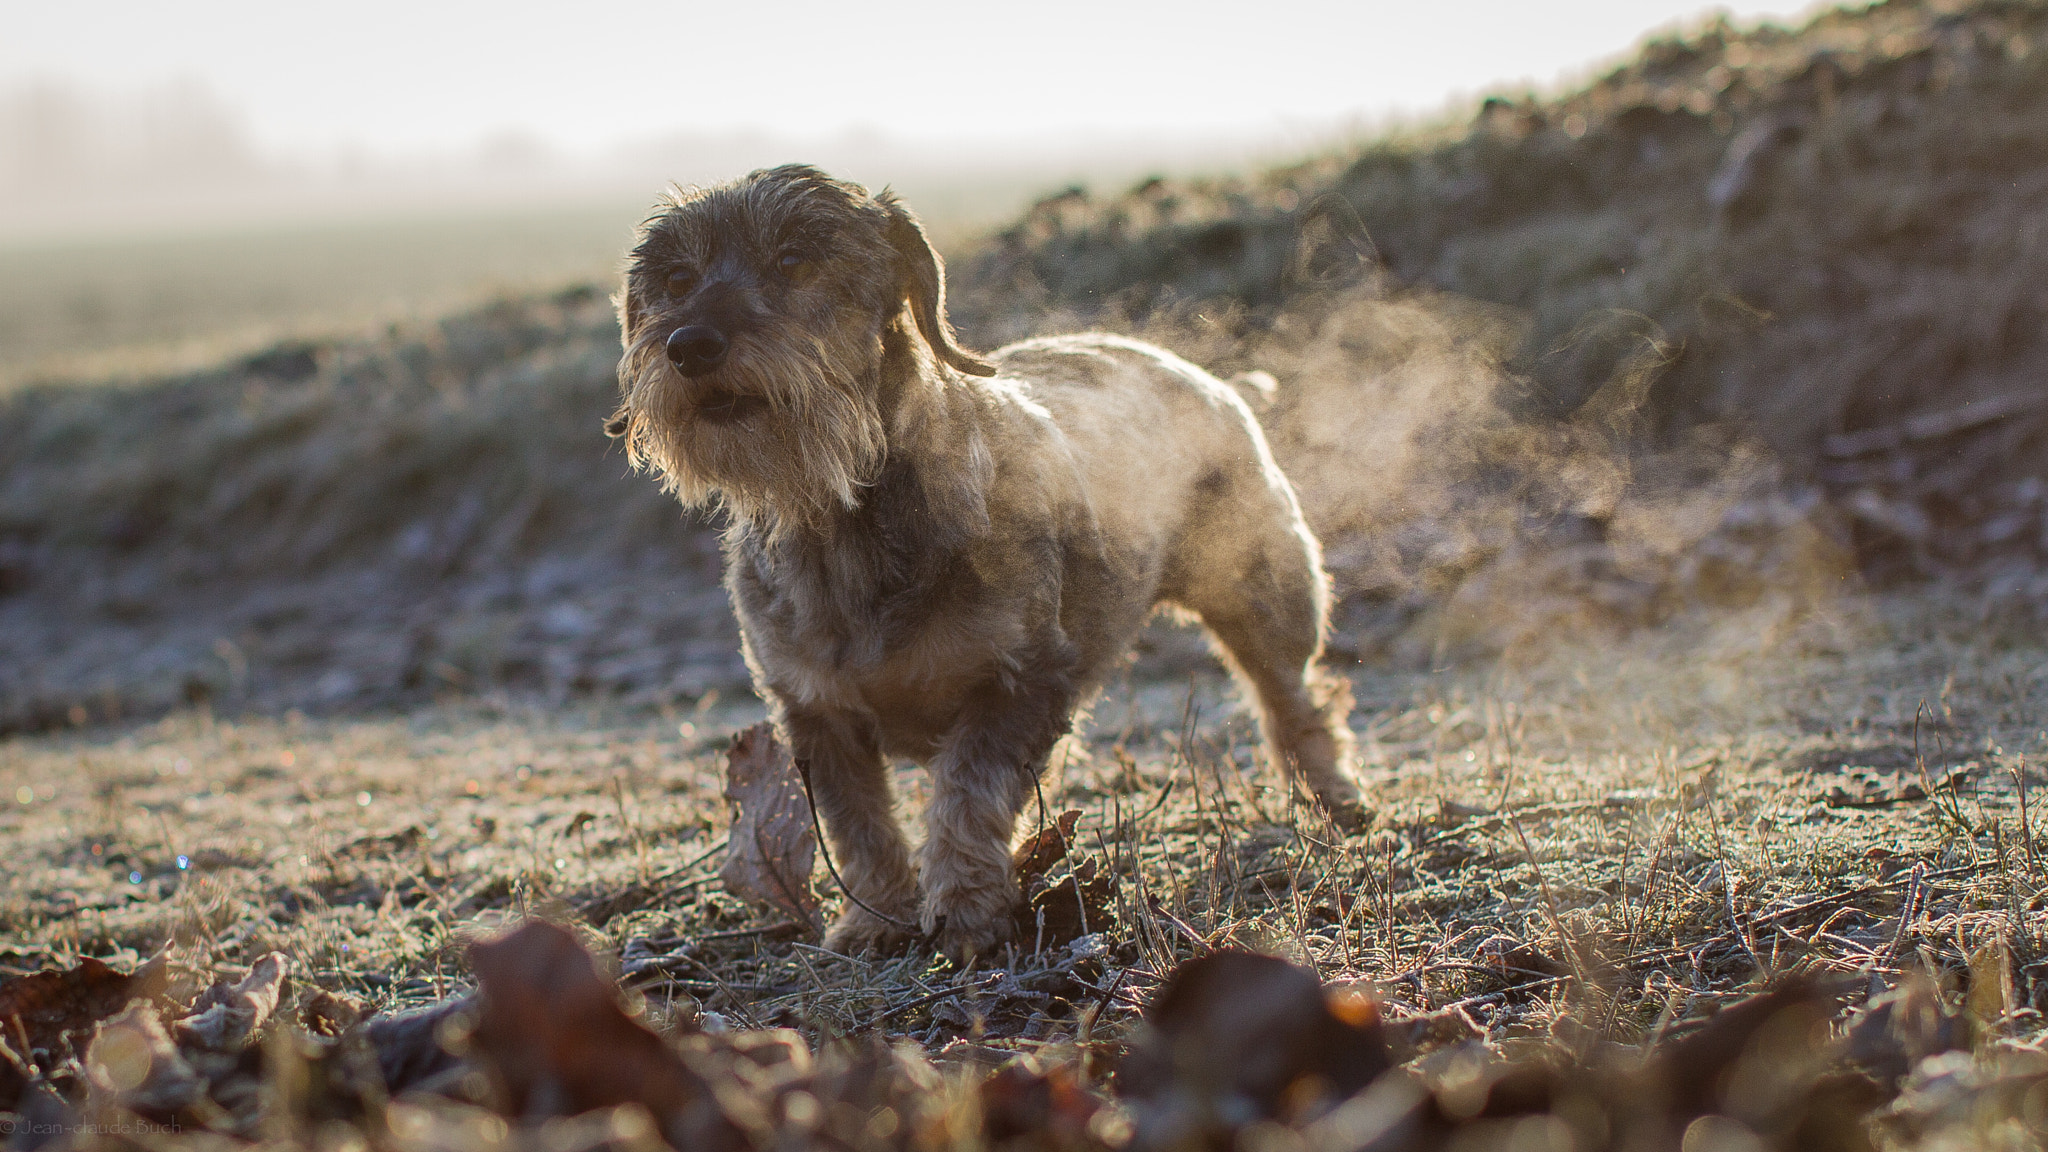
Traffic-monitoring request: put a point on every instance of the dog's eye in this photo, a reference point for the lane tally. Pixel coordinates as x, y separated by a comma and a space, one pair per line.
793, 264
680, 283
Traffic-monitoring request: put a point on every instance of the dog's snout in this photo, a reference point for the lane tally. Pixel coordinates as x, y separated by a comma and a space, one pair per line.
696, 349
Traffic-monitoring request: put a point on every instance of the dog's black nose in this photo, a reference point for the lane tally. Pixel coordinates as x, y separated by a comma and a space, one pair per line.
696, 349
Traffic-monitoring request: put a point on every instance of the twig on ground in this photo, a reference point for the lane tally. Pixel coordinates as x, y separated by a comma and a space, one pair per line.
987, 982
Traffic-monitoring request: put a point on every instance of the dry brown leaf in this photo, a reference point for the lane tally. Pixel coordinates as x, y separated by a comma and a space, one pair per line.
409, 1049
1078, 904
1771, 1031
56, 1011
1993, 997
553, 1032
1901, 1027
134, 1065
329, 1014
1027, 1105
772, 846
1236, 1037
1038, 853
227, 1016
1057, 909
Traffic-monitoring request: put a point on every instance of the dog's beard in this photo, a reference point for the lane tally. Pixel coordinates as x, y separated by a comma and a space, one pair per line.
789, 436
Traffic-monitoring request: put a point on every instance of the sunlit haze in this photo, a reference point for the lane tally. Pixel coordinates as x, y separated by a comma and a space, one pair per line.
396, 75
122, 112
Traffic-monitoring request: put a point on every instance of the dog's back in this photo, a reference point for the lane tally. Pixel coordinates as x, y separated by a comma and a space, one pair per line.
1152, 432
1180, 480
1172, 464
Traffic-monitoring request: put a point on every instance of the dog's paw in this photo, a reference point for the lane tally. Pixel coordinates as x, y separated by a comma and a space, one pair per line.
1342, 804
1349, 813
859, 932
971, 923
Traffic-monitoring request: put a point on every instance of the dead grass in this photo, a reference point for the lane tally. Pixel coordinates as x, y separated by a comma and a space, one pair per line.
1578, 840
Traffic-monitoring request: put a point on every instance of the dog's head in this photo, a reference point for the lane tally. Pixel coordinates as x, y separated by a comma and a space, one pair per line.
757, 316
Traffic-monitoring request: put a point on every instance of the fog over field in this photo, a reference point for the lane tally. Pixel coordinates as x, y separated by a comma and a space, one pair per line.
177, 188
134, 117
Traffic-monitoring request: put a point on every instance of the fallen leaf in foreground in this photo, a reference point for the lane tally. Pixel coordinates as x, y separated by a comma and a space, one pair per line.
556, 1040
1239, 1047
226, 1017
1060, 905
772, 845
1235, 1038
1044, 848
1045, 1107
558, 1043
133, 1065
56, 1011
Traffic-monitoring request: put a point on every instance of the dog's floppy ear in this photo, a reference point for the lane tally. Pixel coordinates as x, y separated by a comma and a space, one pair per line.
620, 421
924, 285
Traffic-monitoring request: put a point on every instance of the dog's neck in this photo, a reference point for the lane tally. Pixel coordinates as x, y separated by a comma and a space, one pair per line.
933, 481
853, 585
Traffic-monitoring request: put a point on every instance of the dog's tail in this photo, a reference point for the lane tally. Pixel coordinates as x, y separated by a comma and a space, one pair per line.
1258, 388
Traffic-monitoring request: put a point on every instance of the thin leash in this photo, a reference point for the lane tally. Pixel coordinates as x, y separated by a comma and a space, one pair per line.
803, 771
1038, 787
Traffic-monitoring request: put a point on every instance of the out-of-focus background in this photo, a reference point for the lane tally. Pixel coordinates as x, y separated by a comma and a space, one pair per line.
1588, 317
178, 184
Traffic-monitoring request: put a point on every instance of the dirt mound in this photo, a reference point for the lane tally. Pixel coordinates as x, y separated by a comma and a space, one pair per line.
350, 526
1832, 235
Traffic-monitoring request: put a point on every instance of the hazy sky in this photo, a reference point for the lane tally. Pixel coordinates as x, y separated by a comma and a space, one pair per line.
411, 76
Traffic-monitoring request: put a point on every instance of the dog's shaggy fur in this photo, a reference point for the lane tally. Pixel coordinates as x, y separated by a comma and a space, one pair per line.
939, 557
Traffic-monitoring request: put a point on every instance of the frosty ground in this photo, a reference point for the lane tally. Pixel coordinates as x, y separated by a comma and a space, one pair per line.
1620, 836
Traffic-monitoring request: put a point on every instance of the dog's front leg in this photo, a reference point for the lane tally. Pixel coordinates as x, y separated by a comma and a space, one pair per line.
981, 777
850, 783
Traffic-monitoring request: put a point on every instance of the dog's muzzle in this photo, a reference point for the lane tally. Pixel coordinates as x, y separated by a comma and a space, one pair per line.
696, 349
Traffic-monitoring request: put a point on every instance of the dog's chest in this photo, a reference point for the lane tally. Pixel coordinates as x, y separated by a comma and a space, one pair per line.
867, 621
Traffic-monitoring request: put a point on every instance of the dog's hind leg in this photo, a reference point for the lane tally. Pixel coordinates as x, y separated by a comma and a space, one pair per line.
1263, 597
850, 783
